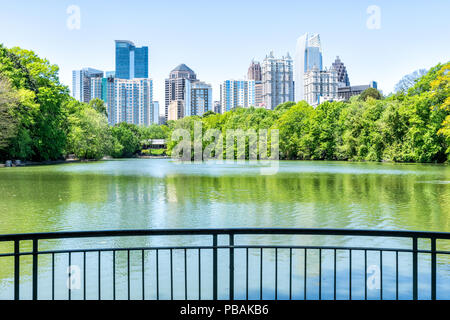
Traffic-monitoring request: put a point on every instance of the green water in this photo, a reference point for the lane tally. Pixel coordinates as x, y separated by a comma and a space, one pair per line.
162, 194
135, 194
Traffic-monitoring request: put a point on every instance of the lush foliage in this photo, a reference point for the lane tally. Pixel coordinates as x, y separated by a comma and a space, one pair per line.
40, 121
406, 127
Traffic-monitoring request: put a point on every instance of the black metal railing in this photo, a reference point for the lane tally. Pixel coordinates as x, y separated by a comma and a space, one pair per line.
271, 263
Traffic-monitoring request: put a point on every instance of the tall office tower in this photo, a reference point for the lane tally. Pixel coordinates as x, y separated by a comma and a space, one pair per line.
130, 100
320, 86
277, 80
155, 112
175, 85
81, 83
131, 61
198, 98
308, 55
343, 80
237, 93
254, 71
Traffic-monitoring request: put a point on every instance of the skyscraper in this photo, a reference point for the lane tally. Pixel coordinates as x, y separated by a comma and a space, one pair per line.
131, 61
343, 80
237, 93
277, 80
130, 100
198, 98
176, 83
320, 86
254, 71
81, 83
308, 55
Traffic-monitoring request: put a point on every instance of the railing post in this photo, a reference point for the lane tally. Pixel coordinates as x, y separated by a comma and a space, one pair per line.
415, 278
231, 267
16, 269
35, 269
215, 267
433, 268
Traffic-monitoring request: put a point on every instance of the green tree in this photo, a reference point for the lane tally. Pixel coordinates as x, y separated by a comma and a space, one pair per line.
372, 93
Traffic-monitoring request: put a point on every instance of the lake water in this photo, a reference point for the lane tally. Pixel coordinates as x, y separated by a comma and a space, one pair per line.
142, 193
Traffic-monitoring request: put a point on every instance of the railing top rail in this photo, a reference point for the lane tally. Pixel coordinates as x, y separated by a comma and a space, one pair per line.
225, 231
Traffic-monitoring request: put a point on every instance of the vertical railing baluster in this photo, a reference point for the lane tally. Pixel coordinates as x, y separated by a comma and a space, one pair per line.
365, 274
53, 276
171, 274
381, 275
334, 271
215, 267
276, 273
350, 274
84, 275
99, 276
114, 274
128, 275
261, 274
290, 273
433, 269
320, 274
16, 269
415, 275
231, 267
157, 274
69, 287
199, 274
143, 274
246, 273
396, 275
305, 274
185, 274
35, 269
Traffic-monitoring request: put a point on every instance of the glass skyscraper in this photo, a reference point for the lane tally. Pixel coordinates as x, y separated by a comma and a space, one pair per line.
131, 62
308, 56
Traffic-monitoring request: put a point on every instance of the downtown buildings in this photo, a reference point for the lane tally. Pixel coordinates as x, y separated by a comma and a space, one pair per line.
81, 83
185, 95
277, 80
266, 86
127, 91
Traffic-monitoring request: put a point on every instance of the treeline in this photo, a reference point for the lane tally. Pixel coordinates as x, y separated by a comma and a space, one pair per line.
412, 126
40, 121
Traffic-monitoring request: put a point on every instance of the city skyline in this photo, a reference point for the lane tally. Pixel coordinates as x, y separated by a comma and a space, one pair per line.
368, 54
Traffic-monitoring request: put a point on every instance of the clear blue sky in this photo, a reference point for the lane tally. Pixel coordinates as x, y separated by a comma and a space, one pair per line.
218, 39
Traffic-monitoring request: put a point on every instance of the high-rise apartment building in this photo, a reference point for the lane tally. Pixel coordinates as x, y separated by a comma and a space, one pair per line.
175, 85
320, 86
131, 61
237, 93
254, 71
308, 55
343, 79
81, 83
198, 98
277, 80
131, 101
